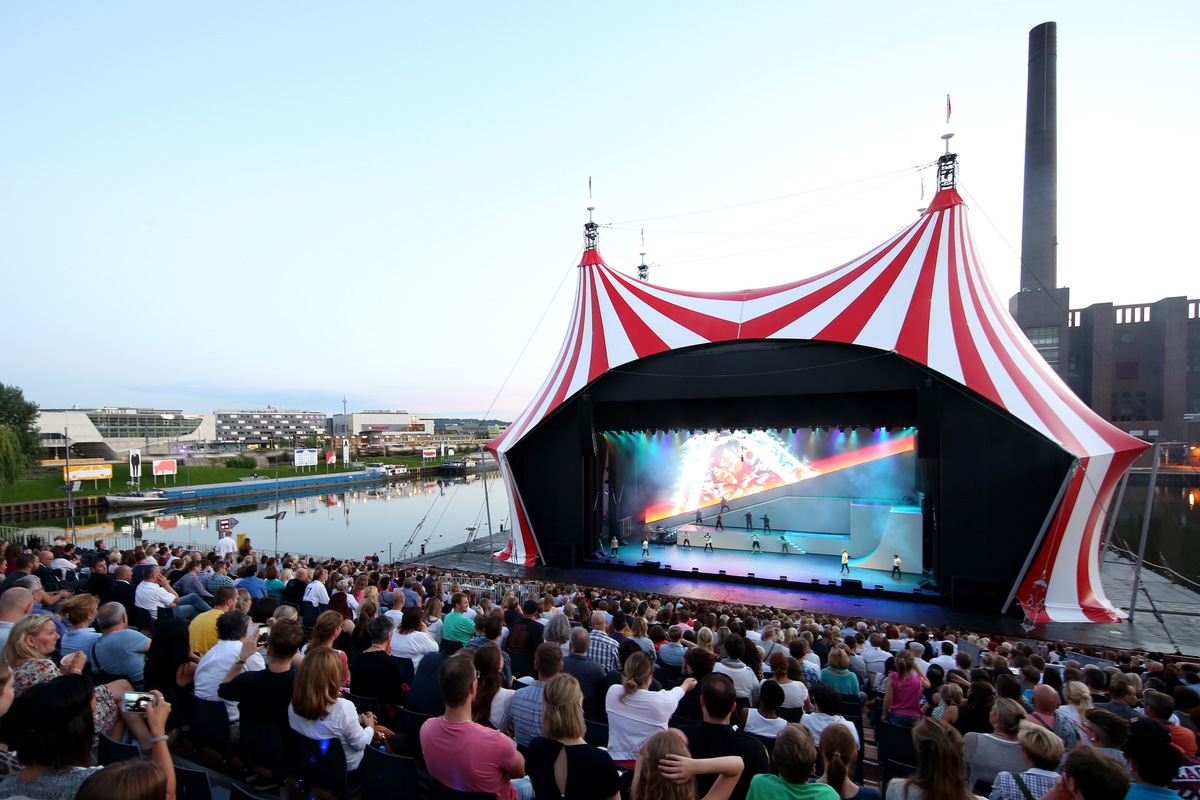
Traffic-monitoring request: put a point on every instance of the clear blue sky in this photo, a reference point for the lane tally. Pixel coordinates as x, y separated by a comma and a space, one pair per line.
238, 204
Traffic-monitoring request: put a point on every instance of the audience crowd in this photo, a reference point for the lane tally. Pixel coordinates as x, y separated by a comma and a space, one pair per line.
523, 690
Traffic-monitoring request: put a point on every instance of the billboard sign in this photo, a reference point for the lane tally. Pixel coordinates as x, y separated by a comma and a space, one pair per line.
166, 466
429, 452
345, 451
330, 458
135, 463
306, 457
88, 472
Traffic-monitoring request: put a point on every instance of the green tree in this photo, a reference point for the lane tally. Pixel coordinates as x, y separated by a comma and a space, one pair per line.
18, 431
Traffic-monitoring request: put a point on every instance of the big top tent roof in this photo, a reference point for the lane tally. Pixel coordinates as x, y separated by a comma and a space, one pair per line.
923, 295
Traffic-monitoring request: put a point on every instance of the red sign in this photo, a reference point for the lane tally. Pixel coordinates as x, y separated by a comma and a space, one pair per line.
429, 452
225, 524
331, 457
168, 522
164, 467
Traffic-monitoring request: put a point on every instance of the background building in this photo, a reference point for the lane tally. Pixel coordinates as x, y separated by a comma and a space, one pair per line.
110, 432
269, 427
381, 427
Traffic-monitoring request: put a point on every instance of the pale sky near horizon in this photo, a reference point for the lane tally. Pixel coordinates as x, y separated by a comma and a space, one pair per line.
231, 205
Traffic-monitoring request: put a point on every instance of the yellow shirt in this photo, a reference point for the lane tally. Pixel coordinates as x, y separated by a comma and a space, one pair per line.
202, 631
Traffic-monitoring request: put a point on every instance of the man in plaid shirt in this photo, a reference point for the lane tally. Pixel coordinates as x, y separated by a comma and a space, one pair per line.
602, 648
219, 576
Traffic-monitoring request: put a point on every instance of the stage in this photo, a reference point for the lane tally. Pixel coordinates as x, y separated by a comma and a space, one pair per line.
766, 567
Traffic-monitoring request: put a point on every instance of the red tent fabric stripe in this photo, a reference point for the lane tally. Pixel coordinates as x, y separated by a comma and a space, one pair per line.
922, 294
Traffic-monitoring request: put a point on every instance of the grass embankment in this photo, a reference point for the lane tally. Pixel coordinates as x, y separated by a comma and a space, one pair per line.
44, 482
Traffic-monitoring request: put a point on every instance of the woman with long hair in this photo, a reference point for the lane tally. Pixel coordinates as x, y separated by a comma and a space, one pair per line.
705, 640
641, 635
941, 770
665, 770
431, 616
902, 700
171, 667
786, 672
840, 751
327, 630
319, 711
1079, 701
361, 638
989, 753
79, 612
949, 700
634, 712
975, 715
411, 640
492, 701
560, 763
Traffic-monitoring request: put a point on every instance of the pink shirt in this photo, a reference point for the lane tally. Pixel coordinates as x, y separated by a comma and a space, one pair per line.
471, 758
906, 695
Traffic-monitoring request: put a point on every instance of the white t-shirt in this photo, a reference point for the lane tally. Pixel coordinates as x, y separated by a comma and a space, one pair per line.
224, 546
636, 718
745, 682
152, 597
214, 666
795, 694
316, 594
340, 722
817, 722
759, 725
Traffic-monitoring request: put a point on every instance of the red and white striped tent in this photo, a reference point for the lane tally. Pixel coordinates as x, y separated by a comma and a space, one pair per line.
923, 295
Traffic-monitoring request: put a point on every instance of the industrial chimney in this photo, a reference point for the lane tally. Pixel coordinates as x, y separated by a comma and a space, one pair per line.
1040, 308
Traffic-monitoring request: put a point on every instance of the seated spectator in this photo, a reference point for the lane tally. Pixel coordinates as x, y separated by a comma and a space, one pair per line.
975, 715
765, 720
99, 580
191, 582
1106, 731
838, 673
1045, 713
902, 700
671, 654
561, 764
15, 605
527, 704
1043, 752
120, 650
665, 770
130, 780
524, 637
744, 679
828, 702
940, 766
319, 711
698, 664
1089, 774
602, 648
51, 725
492, 704
715, 736
171, 667
375, 673
315, 593
424, 696
786, 672
79, 613
330, 631
840, 752
1153, 760
1125, 695
248, 579
495, 766
202, 631
263, 696
987, 754
154, 593
1160, 706
43, 601
588, 673
28, 651
795, 755
226, 656
634, 712
411, 641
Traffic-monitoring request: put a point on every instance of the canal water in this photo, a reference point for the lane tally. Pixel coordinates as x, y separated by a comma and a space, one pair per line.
1173, 541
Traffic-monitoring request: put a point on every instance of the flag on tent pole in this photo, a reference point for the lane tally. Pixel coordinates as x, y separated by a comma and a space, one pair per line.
947, 112
922, 190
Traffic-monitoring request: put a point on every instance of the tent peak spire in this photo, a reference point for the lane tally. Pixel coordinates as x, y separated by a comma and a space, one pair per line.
947, 166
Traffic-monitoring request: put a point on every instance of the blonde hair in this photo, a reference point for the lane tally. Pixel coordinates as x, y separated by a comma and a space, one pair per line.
649, 782
285, 612
243, 601
18, 649
318, 683
638, 670
839, 658
704, 639
562, 715
1044, 748
1077, 694
79, 607
1009, 714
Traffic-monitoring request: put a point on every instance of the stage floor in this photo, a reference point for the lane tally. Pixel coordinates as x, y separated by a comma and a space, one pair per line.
763, 565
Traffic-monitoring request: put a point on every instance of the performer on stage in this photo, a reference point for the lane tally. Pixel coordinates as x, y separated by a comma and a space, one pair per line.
896, 567
724, 506
708, 543
766, 523
783, 545
749, 521
612, 547
699, 519
720, 524
755, 547
687, 540
645, 546
845, 563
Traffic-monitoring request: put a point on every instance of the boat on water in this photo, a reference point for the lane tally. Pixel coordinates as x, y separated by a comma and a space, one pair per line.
457, 466
137, 499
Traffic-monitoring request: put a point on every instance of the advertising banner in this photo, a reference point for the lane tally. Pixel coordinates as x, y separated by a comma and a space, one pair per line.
306, 457
88, 472
166, 466
429, 452
330, 458
135, 463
